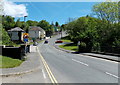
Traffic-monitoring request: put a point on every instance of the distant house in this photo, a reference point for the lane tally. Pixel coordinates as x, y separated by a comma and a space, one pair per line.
16, 34
36, 32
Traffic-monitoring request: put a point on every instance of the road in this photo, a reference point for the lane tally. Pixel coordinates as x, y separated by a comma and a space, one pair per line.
75, 68
68, 68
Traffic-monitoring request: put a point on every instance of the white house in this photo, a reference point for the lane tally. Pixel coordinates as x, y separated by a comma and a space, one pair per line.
36, 32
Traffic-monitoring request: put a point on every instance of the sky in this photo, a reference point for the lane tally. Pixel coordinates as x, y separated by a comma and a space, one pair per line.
61, 0
50, 11
57, 11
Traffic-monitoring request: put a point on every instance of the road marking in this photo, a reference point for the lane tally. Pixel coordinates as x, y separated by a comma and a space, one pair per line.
97, 58
80, 62
43, 74
50, 74
112, 75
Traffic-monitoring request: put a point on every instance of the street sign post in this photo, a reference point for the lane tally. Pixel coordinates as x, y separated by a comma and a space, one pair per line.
25, 38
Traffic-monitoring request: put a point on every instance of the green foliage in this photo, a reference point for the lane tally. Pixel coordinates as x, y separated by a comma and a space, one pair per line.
99, 32
82, 44
56, 24
66, 39
5, 37
8, 22
94, 33
18, 23
107, 11
44, 24
32, 23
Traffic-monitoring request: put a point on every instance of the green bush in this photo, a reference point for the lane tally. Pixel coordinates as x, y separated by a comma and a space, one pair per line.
82, 44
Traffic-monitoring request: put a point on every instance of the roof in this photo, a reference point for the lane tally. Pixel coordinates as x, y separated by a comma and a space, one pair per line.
35, 28
16, 29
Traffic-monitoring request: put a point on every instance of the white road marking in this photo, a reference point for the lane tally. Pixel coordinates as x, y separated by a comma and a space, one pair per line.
112, 75
98, 58
80, 62
44, 74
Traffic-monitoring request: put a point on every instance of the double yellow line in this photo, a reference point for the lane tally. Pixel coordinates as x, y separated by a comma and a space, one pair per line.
50, 74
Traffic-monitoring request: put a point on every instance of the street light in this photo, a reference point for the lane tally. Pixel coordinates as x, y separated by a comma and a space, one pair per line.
25, 18
25, 23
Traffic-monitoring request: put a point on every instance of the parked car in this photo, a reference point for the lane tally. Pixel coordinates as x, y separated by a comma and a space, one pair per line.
46, 41
58, 41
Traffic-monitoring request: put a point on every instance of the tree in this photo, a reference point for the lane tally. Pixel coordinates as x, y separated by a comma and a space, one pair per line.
107, 11
56, 24
44, 24
5, 37
84, 30
18, 23
8, 22
32, 23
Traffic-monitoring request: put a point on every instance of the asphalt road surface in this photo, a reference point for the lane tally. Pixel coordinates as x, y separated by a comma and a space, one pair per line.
68, 68
75, 68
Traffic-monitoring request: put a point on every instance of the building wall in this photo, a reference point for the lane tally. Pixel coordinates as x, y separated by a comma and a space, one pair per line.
34, 34
15, 36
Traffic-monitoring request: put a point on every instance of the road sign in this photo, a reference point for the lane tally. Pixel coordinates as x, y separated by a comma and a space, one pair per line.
25, 37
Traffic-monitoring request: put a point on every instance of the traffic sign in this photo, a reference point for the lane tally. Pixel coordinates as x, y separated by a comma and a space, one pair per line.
25, 37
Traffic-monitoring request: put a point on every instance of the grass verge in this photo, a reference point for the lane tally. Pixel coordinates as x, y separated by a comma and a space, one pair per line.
72, 47
7, 62
66, 39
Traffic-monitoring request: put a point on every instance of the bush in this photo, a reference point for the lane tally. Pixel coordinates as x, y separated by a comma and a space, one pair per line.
6, 39
82, 47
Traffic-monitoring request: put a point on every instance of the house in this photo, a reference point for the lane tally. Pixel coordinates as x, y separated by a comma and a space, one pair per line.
16, 34
36, 32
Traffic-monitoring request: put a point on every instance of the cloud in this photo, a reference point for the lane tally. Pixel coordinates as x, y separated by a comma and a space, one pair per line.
13, 9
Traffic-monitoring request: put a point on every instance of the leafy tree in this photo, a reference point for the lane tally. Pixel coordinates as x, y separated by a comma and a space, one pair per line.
8, 22
107, 11
5, 38
32, 23
44, 24
18, 23
56, 24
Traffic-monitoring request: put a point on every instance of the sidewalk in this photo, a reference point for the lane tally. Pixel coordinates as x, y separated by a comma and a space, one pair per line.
31, 64
107, 57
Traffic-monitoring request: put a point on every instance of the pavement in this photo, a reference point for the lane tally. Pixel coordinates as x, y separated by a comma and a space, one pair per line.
107, 57
31, 64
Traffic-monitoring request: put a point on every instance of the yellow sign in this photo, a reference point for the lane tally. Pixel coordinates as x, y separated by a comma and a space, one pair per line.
25, 34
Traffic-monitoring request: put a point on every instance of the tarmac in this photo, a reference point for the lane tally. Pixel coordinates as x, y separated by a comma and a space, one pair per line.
32, 62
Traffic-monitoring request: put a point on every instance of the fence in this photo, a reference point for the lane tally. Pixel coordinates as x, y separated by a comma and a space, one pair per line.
14, 52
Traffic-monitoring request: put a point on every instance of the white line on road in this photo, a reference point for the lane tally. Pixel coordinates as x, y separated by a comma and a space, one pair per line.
80, 62
111, 74
97, 58
43, 74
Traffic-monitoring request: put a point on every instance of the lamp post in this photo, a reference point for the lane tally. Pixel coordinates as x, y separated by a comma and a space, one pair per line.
25, 23
25, 18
